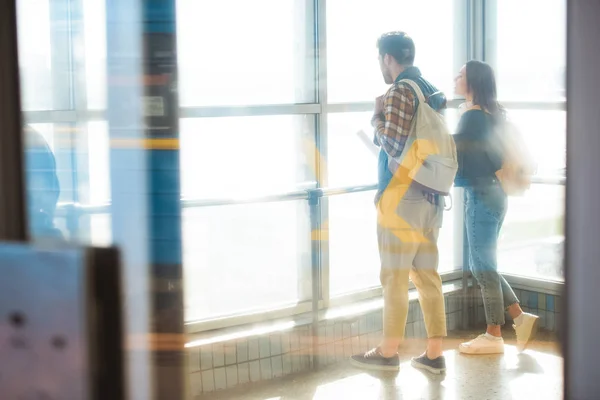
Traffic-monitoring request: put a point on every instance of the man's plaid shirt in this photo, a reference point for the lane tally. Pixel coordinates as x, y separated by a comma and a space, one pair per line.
392, 127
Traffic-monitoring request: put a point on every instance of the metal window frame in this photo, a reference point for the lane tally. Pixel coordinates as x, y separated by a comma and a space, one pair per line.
474, 19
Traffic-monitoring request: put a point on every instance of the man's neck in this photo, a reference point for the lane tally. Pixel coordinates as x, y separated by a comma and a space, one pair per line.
397, 70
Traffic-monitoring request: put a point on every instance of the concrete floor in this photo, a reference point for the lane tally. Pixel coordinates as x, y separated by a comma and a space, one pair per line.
535, 374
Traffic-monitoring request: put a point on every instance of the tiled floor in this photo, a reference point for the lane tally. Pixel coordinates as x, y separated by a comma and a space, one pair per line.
534, 374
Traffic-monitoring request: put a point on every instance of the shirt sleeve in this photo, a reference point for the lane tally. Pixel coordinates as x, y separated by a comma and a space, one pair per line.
393, 126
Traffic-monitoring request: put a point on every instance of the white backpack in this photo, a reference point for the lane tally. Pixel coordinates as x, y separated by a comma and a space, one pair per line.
430, 152
519, 165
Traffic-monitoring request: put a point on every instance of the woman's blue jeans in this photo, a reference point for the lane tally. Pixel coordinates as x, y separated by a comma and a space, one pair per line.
485, 209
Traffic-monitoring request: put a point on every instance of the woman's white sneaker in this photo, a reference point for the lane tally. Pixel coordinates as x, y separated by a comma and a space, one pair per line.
483, 344
526, 330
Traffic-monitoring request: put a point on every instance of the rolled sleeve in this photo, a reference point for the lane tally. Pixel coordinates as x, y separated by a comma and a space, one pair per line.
392, 128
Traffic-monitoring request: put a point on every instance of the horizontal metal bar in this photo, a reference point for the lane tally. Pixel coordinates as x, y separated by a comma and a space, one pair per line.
535, 105
535, 284
62, 116
549, 180
367, 106
72, 116
245, 111
328, 192
255, 317
42, 117
291, 196
63, 208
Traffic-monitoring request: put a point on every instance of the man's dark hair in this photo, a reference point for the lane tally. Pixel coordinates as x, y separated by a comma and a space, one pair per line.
398, 45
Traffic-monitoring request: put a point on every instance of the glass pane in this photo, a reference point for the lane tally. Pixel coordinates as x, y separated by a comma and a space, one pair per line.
245, 156
524, 74
100, 233
353, 27
99, 162
229, 58
352, 159
35, 57
94, 18
353, 254
532, 238
545, 135
245, 257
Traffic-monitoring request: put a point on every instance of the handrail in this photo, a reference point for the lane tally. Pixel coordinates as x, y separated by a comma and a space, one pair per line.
549, 180
328, 192
290, 196
64, 208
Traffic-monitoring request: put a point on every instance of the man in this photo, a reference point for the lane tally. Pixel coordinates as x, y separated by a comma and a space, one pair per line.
408, 217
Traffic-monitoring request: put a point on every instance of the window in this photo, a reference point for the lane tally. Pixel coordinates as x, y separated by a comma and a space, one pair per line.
532, 237
235, 59
353, 27
530, 67
531, 52
352, 159
545, 134
35, 58
100, 229
94, 18
533, 233
231, 52
245, 156
244, 258
99, 162
353, 254
239, 258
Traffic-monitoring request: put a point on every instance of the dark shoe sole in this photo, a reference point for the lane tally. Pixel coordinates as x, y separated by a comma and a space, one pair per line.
418, 365
374, 367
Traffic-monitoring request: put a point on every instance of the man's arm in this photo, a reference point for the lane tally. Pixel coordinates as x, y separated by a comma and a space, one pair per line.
392, 127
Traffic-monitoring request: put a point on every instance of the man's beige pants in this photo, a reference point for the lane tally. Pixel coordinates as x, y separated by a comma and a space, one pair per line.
407, 228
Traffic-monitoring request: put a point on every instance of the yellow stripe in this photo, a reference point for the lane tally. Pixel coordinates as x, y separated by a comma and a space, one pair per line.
148, 144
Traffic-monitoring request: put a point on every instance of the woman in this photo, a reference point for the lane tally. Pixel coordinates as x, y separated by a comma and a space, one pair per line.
479, 157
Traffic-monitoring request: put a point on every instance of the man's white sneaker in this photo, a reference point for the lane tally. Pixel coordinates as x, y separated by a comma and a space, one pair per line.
527, 330
483, 344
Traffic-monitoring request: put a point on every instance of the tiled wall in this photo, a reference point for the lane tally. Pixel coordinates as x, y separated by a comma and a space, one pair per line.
545, 305
226, 365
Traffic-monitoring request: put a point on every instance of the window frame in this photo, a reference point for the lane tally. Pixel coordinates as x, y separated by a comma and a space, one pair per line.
474, 21
485, 17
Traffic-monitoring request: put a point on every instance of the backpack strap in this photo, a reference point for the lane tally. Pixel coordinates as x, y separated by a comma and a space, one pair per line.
420, 97
416, 89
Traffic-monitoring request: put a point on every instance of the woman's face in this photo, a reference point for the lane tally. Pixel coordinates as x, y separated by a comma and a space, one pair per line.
460, 83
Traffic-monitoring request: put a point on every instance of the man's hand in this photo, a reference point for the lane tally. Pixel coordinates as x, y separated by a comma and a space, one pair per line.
378, 112
379, 105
